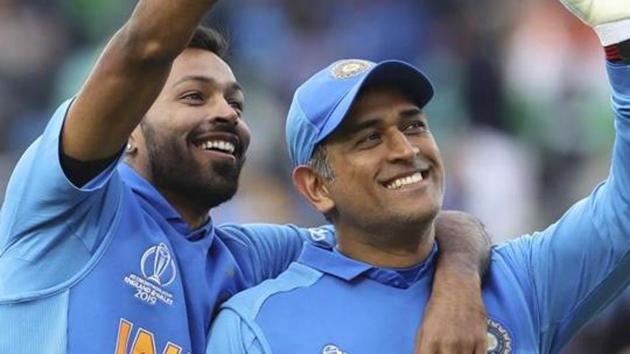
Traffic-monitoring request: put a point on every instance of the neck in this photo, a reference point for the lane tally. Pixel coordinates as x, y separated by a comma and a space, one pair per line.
390, 249
193, 215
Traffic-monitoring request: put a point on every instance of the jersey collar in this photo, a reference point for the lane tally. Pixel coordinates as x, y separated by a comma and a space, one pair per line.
338, 265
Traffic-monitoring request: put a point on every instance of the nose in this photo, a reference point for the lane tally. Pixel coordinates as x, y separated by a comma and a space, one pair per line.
224, 113
400, 148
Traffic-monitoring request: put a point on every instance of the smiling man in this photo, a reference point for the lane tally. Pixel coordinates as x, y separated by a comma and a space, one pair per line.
365, 157
99, 256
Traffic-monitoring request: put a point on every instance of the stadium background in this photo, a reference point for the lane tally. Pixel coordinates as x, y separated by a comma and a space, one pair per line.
521, 111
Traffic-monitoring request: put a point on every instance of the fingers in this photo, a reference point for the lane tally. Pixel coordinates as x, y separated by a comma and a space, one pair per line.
427, 344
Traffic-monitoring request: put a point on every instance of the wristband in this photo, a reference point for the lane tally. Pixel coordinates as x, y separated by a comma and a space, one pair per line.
618, 52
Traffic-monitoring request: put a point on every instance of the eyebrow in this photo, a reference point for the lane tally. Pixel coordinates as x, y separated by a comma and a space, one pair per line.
369, 123
233, 87
411, 112
366, 124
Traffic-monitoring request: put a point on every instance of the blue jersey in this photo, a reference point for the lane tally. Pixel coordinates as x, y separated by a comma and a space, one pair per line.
540, 290
112, 268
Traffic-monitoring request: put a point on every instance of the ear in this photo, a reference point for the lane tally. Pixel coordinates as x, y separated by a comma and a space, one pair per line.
135, 142
130, 148
313, 188
138, 157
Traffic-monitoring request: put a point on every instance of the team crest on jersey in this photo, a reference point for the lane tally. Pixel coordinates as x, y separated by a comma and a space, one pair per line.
499, 340
349, 68
332, 349
158, 271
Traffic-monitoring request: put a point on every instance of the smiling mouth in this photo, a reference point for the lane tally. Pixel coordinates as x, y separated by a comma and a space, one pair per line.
222, 145
404, 181
218, 145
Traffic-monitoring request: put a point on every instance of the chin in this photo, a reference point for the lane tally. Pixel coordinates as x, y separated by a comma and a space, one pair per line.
216, 195
411, 217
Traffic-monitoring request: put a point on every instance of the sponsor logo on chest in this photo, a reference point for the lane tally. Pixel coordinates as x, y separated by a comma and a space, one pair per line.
157, 272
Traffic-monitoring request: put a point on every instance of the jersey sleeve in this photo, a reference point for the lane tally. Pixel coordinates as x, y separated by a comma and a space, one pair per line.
581, 263
230, 334
49, 228
263, 251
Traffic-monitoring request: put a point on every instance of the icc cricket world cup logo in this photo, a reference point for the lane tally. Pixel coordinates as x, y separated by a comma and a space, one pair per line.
157, 265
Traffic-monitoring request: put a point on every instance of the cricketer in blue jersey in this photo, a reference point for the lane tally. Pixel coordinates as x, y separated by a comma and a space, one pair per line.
99, 256
365, 157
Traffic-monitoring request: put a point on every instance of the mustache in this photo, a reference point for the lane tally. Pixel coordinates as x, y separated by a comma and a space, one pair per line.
227, 129
215, 127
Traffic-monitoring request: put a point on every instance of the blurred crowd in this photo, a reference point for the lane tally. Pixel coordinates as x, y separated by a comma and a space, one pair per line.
521, 112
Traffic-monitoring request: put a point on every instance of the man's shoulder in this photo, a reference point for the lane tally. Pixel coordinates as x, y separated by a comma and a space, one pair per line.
248, 303
513, 256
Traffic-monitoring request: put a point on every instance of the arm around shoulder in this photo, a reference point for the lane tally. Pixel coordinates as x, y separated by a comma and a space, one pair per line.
264, 251
455, 321
230, 334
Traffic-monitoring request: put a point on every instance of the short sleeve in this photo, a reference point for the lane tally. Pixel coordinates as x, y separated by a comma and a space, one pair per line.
229, 334
49, 228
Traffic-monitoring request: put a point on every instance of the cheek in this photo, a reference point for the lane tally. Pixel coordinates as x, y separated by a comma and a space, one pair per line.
354, 178
164, 120
430, 148
244, 133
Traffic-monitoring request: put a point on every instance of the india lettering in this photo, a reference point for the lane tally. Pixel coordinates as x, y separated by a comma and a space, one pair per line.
143, 341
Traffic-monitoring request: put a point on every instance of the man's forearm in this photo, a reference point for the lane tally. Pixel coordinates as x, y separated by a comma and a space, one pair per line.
464, 243
454, 318
129, 76
158, 30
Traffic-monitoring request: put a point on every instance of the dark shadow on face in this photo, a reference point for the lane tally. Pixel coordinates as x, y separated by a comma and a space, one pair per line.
173, 169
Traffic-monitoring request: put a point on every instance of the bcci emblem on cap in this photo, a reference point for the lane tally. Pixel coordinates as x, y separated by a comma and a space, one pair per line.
349, 68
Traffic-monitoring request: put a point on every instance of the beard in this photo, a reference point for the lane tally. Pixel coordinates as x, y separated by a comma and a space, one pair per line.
173, 168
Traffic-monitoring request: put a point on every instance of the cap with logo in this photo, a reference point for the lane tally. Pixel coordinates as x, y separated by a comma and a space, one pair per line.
321, 103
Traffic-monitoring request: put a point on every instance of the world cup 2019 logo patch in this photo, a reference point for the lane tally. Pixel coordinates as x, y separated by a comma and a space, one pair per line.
158, 266
499, 340
158, 270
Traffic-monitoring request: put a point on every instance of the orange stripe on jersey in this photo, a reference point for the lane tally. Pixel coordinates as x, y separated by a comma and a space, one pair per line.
124, 330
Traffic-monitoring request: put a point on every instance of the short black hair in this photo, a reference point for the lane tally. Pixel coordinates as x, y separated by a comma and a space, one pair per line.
210, 39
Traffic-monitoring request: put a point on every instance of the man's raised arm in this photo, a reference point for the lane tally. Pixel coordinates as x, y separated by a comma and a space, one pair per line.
128, 77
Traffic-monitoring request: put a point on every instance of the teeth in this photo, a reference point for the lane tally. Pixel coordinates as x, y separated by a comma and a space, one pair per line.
220, 145
404, 181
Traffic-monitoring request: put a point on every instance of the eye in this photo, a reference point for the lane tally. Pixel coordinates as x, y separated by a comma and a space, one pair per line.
415, 127
237, 105
193, 97
369, 140
373, 136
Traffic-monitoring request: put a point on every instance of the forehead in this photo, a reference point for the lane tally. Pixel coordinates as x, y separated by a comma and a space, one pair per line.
194, 62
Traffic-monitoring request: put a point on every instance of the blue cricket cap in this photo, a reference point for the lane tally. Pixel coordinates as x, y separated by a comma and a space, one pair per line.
320, 104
